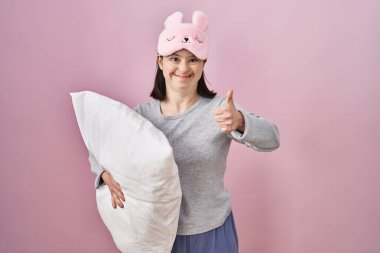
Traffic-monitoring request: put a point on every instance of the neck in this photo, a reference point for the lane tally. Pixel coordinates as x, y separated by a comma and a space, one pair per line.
176, 103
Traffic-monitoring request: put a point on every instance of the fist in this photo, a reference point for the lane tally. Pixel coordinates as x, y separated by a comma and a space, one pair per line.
228, 118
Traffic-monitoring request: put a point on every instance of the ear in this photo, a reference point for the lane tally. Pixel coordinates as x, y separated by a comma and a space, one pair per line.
200, 19
159, 61
173, 19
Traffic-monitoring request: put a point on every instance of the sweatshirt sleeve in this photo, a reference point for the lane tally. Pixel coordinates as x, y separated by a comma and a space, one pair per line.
97, 169
138, 109
260, 134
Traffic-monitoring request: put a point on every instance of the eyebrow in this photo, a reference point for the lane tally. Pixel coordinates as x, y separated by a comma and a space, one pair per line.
192, 56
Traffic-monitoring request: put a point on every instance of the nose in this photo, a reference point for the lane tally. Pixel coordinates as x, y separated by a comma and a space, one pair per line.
183, 67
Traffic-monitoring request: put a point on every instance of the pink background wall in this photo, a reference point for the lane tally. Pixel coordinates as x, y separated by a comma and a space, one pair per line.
310, 66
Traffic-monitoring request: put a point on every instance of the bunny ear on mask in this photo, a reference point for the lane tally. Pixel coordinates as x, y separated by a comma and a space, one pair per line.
200, 19
174, 19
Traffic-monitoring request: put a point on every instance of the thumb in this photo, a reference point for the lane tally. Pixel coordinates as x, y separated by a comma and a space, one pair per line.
230, 100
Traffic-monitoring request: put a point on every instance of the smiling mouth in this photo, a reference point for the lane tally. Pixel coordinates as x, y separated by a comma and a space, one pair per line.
187, 76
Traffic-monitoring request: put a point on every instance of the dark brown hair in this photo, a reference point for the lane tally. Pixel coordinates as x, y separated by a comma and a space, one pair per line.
159, 88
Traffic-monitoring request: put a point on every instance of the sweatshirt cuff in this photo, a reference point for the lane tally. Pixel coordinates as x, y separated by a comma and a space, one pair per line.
239, 136
99, 180
259, 133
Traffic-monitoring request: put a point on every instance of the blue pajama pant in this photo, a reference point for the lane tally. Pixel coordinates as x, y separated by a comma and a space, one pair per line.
222, 239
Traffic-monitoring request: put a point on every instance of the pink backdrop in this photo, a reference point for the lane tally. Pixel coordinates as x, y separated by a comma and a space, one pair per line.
310, 66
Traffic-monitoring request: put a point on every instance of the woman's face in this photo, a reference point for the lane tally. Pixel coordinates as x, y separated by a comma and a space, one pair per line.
182, 71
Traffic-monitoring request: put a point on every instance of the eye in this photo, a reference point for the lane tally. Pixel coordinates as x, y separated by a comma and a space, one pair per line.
198, 39
170, 38
193, 60
174, 59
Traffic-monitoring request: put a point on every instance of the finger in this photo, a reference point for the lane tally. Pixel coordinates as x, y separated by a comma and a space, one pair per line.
225, 121
112, 199
225, 130
113, 203
226, 115
225, 126
117, 200
222, 110
219, 110
118, 191
121, 195
219, 118
229, 97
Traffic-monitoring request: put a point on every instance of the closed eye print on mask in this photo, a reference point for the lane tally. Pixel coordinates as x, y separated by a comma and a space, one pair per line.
171, 39
197, 39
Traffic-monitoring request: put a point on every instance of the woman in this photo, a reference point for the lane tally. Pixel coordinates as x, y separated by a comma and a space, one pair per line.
199, 126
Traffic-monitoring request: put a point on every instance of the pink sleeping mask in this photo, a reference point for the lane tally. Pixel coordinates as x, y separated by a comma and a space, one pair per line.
190, 36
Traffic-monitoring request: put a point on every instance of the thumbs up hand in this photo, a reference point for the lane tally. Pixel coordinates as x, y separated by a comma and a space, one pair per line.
229, 119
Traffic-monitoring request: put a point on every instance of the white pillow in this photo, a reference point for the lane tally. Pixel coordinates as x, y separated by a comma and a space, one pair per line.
140, 158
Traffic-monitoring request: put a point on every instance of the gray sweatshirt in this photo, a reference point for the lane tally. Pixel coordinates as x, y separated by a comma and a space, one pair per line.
200, 150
